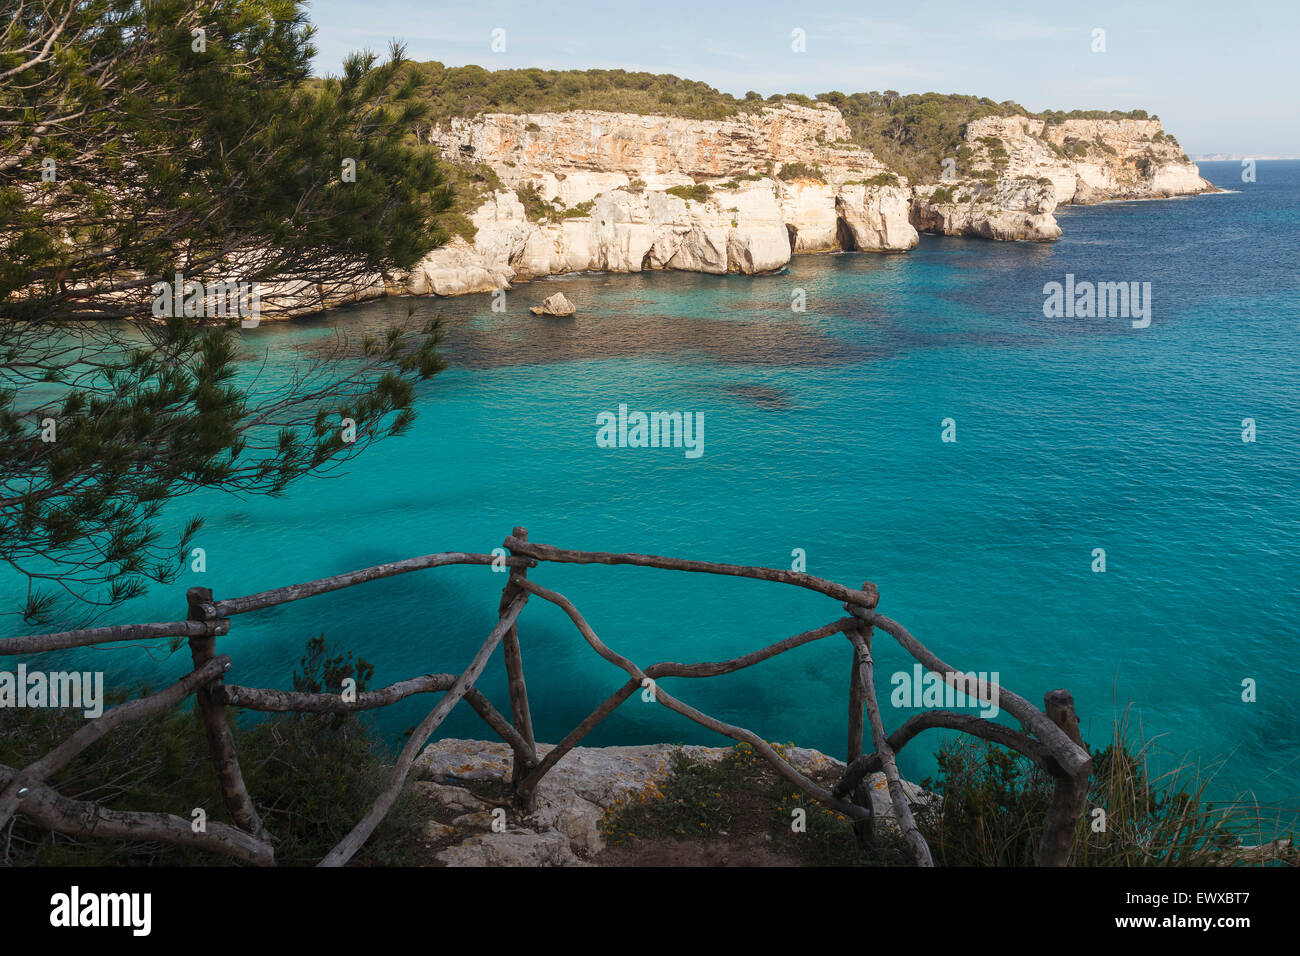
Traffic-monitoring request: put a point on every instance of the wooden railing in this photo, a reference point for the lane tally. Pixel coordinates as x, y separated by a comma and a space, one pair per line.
1049, 737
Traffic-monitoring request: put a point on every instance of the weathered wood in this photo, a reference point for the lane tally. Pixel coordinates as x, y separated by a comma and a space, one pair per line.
296, 592
58, 758
283, 701
782, 766
902, 810
279, 701
545, 552
672, 669
62, 640
1070, 794
1056, 743
552, 757
714, 669
348, 846
519, 711
863, 830
859, 769
221, 743
46, 808
1071, 757
857, 695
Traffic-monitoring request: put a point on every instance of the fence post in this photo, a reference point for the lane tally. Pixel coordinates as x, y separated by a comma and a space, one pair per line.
221, 742
863, 830
520, 714
1070, 795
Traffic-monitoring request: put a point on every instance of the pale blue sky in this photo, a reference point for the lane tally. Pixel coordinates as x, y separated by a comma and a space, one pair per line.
1222, 76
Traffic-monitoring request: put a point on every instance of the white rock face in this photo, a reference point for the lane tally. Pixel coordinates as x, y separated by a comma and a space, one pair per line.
808, 209
622, 164
556, 304
608, 175
1088, 160
574, 796
1009, 209
876, 217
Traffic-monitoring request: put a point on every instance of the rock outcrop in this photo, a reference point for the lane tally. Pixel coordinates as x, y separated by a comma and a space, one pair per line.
629, 192
573, 798
586, 190
1008, 209
556, 304
1087, 160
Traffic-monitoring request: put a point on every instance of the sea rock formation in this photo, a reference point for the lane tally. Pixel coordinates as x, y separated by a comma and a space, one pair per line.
629, 192
1087, 160
587, 190
572, 799
1006, 209
557, 304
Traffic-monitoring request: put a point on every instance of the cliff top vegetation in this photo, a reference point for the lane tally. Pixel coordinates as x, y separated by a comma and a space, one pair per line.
911, 133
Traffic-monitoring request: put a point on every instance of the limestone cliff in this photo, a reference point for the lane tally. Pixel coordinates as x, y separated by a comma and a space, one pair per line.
1004, 209
1086, 160
626, 192
620, 192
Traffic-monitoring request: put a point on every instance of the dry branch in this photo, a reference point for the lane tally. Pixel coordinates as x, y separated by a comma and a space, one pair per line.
348, 846
296, 592
514, 656
1070, 795
46, 808
1071, 757
859, 769
902, 810
62, 640
671, 669
545, 552
58, 758
610, 704
279, 701
221, 742
661, 696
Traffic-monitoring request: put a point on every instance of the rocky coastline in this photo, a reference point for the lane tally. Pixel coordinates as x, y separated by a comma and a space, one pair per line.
623, 193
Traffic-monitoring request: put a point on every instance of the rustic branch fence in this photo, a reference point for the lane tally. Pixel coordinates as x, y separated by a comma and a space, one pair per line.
1050, 737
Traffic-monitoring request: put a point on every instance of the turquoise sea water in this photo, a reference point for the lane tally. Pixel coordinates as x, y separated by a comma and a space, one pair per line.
822, 432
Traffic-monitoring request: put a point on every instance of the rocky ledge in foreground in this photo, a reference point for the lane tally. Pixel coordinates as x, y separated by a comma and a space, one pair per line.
572, 800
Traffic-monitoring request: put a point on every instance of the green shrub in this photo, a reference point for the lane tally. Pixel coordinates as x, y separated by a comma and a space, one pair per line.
535, 206
792, 171
700, 192
993, 803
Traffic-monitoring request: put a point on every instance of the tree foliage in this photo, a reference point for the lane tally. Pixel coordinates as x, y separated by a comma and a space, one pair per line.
141, 139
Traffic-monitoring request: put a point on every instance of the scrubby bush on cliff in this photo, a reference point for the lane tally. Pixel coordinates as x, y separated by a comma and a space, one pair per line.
993, 803
470, 90
700, 192
792, 171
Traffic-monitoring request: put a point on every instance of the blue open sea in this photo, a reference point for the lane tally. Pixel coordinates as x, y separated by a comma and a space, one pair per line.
823, 433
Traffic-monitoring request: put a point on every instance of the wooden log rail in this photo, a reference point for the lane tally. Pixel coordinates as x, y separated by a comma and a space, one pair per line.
1049, 737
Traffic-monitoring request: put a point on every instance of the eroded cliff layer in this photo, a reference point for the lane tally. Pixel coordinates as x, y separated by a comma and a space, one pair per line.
623, 192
